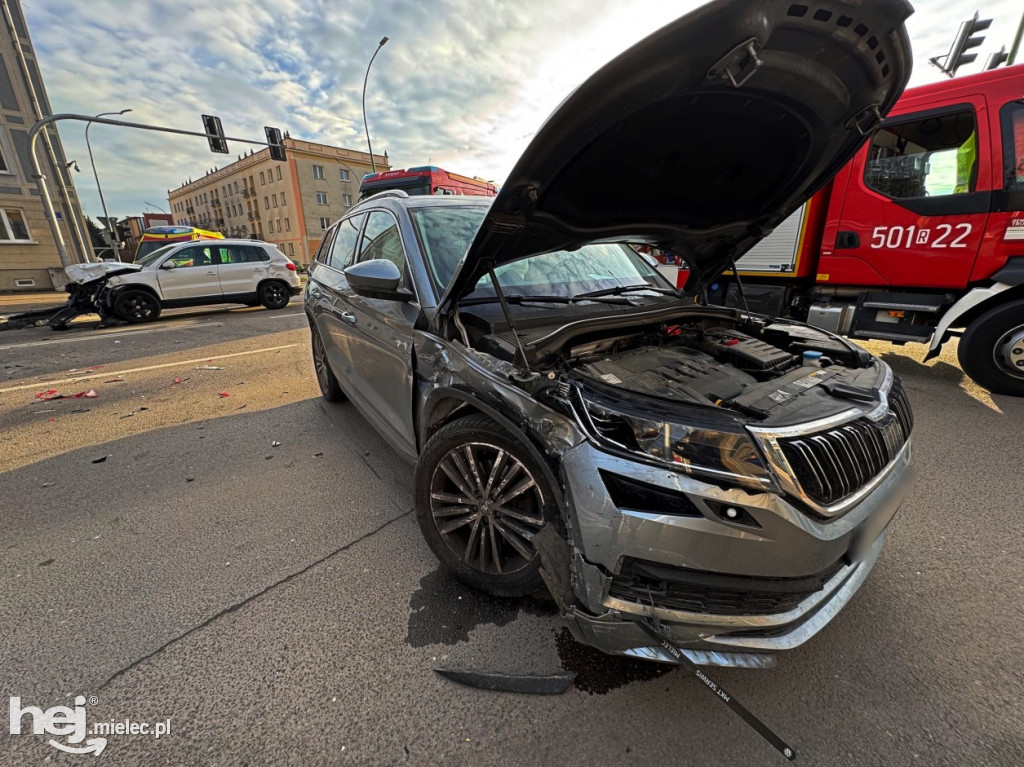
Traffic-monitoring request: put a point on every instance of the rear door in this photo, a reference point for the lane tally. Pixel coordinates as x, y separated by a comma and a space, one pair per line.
240, 269
381, 338
194, 275
916, 207
329, 289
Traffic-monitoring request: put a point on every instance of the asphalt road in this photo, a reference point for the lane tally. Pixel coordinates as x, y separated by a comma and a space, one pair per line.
278, 605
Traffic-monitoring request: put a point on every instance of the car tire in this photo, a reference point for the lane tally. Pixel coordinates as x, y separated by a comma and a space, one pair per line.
329, 386
991, 348
137, 306
274, 294
483, 542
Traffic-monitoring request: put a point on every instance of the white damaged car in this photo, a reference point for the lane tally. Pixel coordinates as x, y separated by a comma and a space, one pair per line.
193, 273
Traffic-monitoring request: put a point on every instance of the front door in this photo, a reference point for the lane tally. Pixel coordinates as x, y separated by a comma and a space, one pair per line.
917, 200
193, 276
381, 339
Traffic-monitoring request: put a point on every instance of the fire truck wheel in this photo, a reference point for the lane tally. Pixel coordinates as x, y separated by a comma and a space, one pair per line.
992, 350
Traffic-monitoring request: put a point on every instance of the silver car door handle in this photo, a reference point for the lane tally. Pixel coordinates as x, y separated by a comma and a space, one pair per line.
349, 318
213, 272
314, 292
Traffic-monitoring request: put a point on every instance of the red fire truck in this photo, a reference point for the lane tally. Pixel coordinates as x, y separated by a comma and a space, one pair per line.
425, 179
919, 238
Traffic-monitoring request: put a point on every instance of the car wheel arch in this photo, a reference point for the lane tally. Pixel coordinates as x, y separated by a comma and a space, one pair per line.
444, 405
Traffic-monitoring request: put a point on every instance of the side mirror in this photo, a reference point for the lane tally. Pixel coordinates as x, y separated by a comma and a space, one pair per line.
168, 265
651, 260
378, 278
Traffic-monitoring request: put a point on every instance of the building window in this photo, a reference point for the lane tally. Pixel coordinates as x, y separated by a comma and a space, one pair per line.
279, 225
282, 199
236, 187
278, 172
344, 175
274, 197
321, 198
266, 203
346, 199
263, 179
324, 223
291, 248
13, 227
270, 225
318, 171
287, 225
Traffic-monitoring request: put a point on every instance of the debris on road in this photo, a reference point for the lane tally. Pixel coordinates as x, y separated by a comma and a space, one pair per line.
275, 443
81, 410
114, 380
91, 394
318, 455
240, 407
209, 367
532, 684
101, 459
223, 394
48, 484
50, 394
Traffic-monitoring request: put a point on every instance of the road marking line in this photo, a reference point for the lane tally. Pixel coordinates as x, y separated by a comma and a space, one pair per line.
282, 316
114, 373
107, 334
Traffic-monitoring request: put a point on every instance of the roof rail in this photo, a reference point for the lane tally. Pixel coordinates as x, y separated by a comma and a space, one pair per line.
386, 193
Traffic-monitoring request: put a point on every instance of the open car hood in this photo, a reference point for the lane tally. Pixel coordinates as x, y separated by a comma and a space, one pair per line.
702, 137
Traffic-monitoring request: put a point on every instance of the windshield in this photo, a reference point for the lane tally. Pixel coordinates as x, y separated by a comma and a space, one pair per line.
152, 256
148, 246
445, 234
589, 269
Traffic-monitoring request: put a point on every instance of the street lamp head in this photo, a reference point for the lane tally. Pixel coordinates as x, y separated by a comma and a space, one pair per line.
382, 41
124, 111
75, 164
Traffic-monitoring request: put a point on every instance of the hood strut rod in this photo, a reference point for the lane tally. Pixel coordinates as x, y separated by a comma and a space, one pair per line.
508, 316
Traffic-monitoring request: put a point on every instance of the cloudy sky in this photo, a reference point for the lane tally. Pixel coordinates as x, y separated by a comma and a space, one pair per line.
462, 83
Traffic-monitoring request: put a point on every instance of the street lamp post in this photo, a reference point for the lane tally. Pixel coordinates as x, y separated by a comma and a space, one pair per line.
103, 203
369, 146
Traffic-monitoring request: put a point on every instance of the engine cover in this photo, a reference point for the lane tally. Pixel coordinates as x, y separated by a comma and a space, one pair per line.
672, 372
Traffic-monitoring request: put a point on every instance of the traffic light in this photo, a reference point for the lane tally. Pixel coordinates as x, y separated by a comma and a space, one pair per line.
995, 59
966, 39
276, 143
215, 134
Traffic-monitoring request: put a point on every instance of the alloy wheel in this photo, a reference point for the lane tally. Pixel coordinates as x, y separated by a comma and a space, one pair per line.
487, 507
320, 362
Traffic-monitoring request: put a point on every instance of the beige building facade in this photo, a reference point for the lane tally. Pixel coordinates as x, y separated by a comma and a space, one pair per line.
290, 204
28, 254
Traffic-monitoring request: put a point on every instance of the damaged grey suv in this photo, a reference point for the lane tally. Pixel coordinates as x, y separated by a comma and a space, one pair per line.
659, 464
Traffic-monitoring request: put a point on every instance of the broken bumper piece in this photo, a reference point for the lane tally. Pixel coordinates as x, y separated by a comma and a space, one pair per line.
734, 646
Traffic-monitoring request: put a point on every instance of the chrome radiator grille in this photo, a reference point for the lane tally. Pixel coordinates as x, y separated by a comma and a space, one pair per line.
836, 463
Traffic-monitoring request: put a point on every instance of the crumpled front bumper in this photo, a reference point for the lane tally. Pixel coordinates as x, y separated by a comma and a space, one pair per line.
790, 543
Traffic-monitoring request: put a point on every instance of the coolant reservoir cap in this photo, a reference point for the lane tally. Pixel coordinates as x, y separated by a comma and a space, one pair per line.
813, 356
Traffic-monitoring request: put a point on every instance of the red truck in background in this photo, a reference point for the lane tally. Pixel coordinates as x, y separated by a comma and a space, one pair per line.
919, 238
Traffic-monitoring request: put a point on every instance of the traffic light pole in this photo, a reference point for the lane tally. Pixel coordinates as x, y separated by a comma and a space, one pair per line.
40, 178
1012, 56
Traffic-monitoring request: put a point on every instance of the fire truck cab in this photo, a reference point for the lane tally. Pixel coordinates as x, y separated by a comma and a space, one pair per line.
920, 237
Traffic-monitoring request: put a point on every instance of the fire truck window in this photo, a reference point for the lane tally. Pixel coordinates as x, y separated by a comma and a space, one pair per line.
1013, 144
928, 157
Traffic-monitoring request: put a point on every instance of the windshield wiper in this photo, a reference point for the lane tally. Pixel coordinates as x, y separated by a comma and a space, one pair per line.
620, 289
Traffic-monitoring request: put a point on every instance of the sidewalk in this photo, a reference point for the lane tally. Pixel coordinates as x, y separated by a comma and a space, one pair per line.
15, 303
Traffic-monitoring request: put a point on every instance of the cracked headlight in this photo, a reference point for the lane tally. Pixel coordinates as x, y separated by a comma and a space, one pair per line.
712, 446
